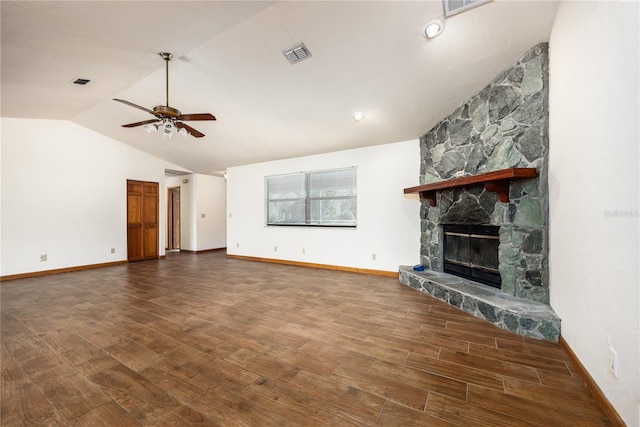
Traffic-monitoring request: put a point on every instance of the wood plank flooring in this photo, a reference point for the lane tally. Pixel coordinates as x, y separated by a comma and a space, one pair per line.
206, 340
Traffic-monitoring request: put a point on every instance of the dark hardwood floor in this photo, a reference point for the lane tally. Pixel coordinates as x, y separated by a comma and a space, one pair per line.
206, 340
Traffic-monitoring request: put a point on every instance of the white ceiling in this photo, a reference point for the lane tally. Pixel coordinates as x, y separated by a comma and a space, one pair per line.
366, 56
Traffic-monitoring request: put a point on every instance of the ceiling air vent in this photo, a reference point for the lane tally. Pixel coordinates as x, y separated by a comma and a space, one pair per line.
452, 7
80, 82
296, 53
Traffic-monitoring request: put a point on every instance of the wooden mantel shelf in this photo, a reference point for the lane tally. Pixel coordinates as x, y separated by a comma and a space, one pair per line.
497, 181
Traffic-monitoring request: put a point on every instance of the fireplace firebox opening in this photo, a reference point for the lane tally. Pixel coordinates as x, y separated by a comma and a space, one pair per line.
471, 251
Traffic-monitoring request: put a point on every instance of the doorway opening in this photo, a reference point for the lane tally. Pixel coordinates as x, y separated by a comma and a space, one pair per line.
173, 221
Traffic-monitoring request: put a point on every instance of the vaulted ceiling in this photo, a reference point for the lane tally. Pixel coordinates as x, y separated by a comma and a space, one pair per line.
367, 56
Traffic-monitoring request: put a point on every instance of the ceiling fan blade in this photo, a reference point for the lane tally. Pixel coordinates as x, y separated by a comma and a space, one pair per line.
146, 122
200, 116
131, 104
189, 129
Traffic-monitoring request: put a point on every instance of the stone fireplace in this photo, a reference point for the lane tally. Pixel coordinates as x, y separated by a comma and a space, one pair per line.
505, 125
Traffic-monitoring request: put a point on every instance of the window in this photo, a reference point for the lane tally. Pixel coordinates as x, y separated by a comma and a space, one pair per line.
320, 198
452, 7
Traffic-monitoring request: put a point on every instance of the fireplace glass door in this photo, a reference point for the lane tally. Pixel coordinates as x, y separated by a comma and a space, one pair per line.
471, 251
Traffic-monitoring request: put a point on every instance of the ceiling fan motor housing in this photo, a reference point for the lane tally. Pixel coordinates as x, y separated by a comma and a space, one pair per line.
166, 112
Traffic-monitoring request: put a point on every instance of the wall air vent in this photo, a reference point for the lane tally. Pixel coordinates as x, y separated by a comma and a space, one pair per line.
296, 53
172, 172
452, 7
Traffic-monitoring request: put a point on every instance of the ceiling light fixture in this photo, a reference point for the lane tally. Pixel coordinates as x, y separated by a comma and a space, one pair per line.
433, 29
358, 115
151, 128
168, 127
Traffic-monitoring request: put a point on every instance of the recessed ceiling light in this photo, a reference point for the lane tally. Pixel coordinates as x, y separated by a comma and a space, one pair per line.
358, 115
434, 28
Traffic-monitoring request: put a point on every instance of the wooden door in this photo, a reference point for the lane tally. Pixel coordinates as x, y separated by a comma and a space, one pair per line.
142, 220
173, 213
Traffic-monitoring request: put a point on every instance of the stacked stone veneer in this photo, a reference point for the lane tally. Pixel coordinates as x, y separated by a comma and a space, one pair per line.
504, 125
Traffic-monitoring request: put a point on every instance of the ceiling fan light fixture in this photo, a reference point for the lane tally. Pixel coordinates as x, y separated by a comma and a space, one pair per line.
151, 128
167, 128
433, 28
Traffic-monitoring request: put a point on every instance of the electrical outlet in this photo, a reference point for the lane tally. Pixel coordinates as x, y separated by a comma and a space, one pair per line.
459, 174
237, 245
113, 250
304, 251
613, 362
43, 258
275, 249
374, 257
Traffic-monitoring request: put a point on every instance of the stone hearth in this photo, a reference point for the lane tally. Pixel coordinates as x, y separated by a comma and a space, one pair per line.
518, 315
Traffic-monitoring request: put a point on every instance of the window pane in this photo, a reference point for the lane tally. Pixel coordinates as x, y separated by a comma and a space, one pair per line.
286, 212
285, 186
285, 199
333, 183
333, 211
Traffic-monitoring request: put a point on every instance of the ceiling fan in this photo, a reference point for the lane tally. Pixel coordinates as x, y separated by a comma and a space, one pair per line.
168, 118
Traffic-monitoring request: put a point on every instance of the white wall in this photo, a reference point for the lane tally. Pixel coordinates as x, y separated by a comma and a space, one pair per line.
64, 195
210, 211
388, 221
594, 114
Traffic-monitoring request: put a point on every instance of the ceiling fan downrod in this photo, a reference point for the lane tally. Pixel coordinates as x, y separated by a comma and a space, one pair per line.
167, 57
166, 112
